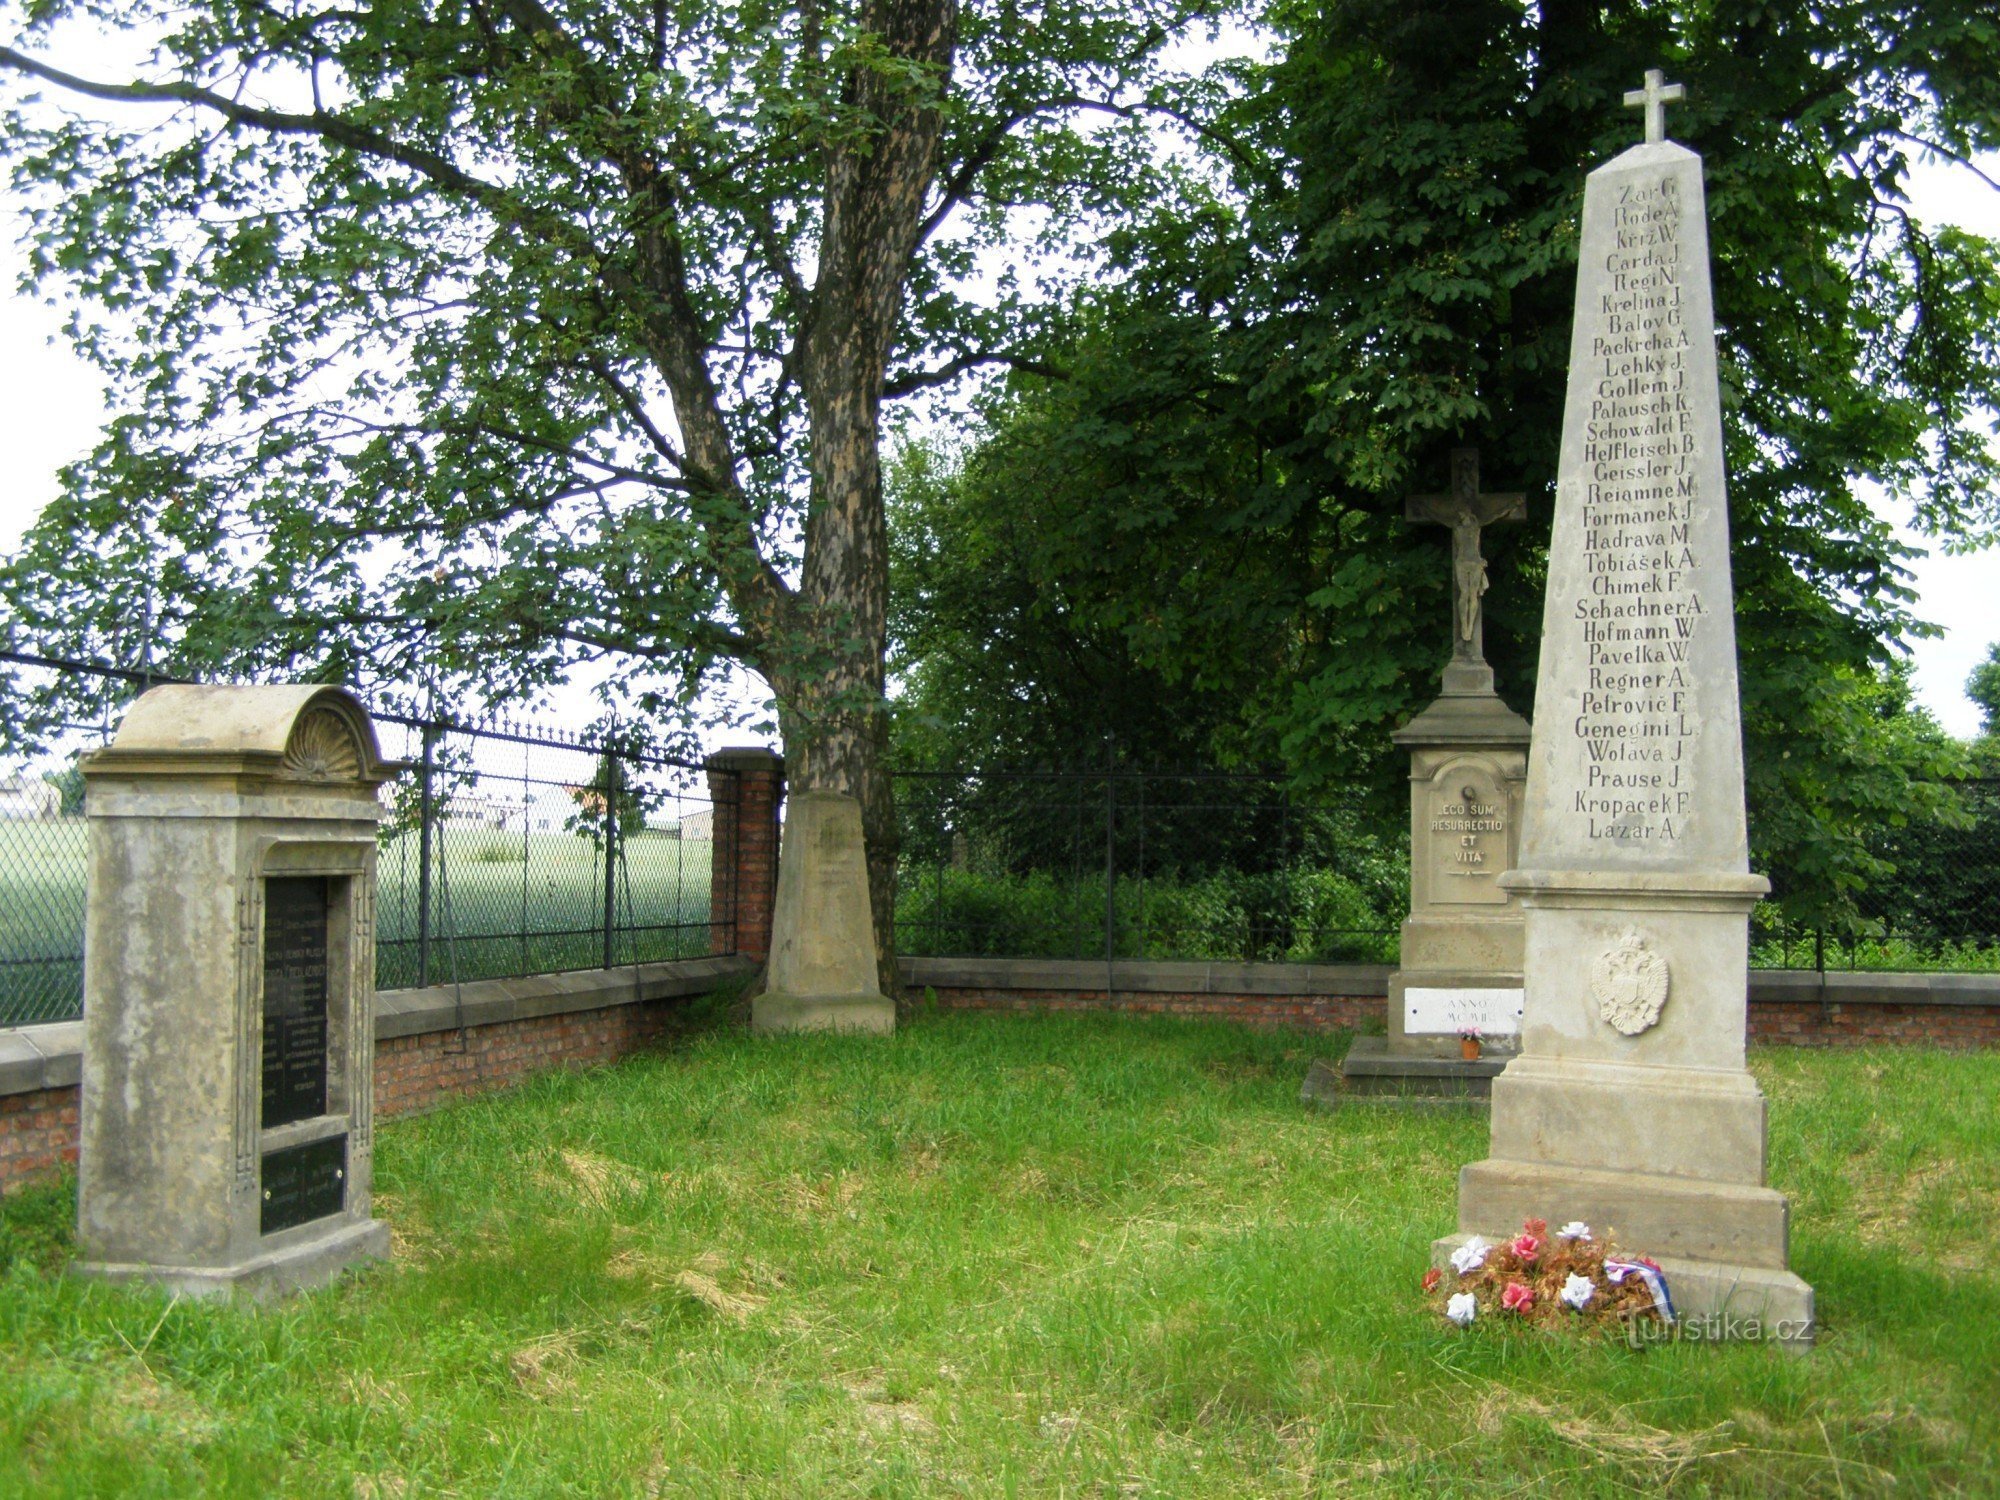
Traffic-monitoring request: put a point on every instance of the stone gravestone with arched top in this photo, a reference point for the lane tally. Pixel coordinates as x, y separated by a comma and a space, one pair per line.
229, 986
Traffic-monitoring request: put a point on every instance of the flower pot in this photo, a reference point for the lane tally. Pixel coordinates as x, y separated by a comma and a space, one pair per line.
1468, 1048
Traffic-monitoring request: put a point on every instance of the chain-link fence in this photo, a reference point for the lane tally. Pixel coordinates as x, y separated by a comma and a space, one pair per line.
1935, 907
507, 851
504, 850
1138, 865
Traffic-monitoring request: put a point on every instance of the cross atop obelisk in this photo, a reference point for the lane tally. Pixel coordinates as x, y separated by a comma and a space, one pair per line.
1465, 511
1654, 98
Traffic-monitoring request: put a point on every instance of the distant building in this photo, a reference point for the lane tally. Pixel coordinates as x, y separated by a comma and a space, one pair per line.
25, 798
700, 825
554, 809
471, 810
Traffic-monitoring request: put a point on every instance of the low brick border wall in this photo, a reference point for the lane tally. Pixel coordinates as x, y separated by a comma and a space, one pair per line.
431, 1045
1787, 1008
1310, 997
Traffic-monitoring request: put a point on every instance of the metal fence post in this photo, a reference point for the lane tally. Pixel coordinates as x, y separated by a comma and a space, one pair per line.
612, 780
1110, 875
425, 811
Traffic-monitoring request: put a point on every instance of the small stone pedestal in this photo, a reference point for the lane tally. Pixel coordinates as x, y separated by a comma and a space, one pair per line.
1461, 948
822, 975
229, 982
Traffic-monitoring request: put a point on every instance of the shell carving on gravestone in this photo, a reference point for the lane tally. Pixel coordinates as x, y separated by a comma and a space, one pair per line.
323, 747
1629, 982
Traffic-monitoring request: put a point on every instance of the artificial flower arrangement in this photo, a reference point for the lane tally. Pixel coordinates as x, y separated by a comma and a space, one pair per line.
1569, 1278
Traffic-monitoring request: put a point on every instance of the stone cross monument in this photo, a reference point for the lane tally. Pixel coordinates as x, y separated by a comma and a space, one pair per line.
1630, 1107
1461, 946
1466, 512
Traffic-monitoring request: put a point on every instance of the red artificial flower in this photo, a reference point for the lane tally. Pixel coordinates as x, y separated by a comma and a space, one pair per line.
1431, 1278
1516, 1298
1526, 1247
1539, 1228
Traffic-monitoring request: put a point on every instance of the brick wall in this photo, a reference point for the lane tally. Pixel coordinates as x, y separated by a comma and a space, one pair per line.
746, 786
37, 1134
1786, 1009
415, 1073
1792, 1023
431, 1046
1298, 1012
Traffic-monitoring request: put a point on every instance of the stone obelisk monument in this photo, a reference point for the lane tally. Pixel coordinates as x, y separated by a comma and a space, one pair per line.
1629, 1106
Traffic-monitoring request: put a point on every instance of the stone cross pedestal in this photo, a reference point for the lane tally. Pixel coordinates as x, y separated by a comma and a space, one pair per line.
1630, 1107
227, 1114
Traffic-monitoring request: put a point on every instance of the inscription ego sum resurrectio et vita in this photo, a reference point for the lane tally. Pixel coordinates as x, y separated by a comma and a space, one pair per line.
1640, 601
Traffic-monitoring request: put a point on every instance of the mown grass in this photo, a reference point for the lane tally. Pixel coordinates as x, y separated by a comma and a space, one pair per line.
1011, 1256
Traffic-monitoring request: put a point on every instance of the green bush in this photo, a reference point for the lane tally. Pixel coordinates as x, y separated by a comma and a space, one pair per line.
1294, 915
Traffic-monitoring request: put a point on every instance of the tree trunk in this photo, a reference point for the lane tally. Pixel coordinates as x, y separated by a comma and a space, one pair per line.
829, 672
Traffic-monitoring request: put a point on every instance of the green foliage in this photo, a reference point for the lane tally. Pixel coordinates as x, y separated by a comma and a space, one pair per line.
1299, 914
456, 346
68, 783
1198, 532
995, 1255
36, 1228
1983, 688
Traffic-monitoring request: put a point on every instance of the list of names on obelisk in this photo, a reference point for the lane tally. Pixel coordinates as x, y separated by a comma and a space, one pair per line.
1637, 603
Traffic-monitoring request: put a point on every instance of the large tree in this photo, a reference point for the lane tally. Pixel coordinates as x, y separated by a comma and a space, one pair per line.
1219, 486
460, 342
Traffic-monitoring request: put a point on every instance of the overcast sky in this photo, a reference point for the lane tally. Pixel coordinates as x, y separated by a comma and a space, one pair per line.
52, 405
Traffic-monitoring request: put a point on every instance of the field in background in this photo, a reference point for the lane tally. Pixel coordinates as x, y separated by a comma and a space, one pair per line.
534, 903
1088, 1256
520, 904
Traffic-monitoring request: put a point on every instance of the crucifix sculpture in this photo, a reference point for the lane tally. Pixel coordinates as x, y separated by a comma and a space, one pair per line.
1654, 99
1465, 511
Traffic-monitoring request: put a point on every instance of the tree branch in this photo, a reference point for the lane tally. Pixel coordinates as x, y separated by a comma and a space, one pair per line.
1949, 155
665, 312
321, 123
917, 380
958, 187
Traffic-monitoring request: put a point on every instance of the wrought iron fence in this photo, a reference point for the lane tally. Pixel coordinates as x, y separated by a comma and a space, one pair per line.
1129, 864
505, 850
1104, 865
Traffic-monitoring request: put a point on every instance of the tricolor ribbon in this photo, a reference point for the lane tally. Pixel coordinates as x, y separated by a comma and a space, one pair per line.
1616, 1271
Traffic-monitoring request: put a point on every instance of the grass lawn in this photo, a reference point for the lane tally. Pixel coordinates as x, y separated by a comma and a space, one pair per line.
1008, 1255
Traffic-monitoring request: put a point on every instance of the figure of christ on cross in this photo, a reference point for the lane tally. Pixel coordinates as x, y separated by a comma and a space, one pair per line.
1465, 511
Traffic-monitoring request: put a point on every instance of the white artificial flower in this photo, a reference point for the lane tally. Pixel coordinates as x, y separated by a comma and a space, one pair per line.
1575, 1229
1462, 1309
1578, 1290
1470, 1256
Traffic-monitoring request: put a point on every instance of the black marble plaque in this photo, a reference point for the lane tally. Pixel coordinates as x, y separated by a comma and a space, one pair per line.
303, 1183
295, 921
